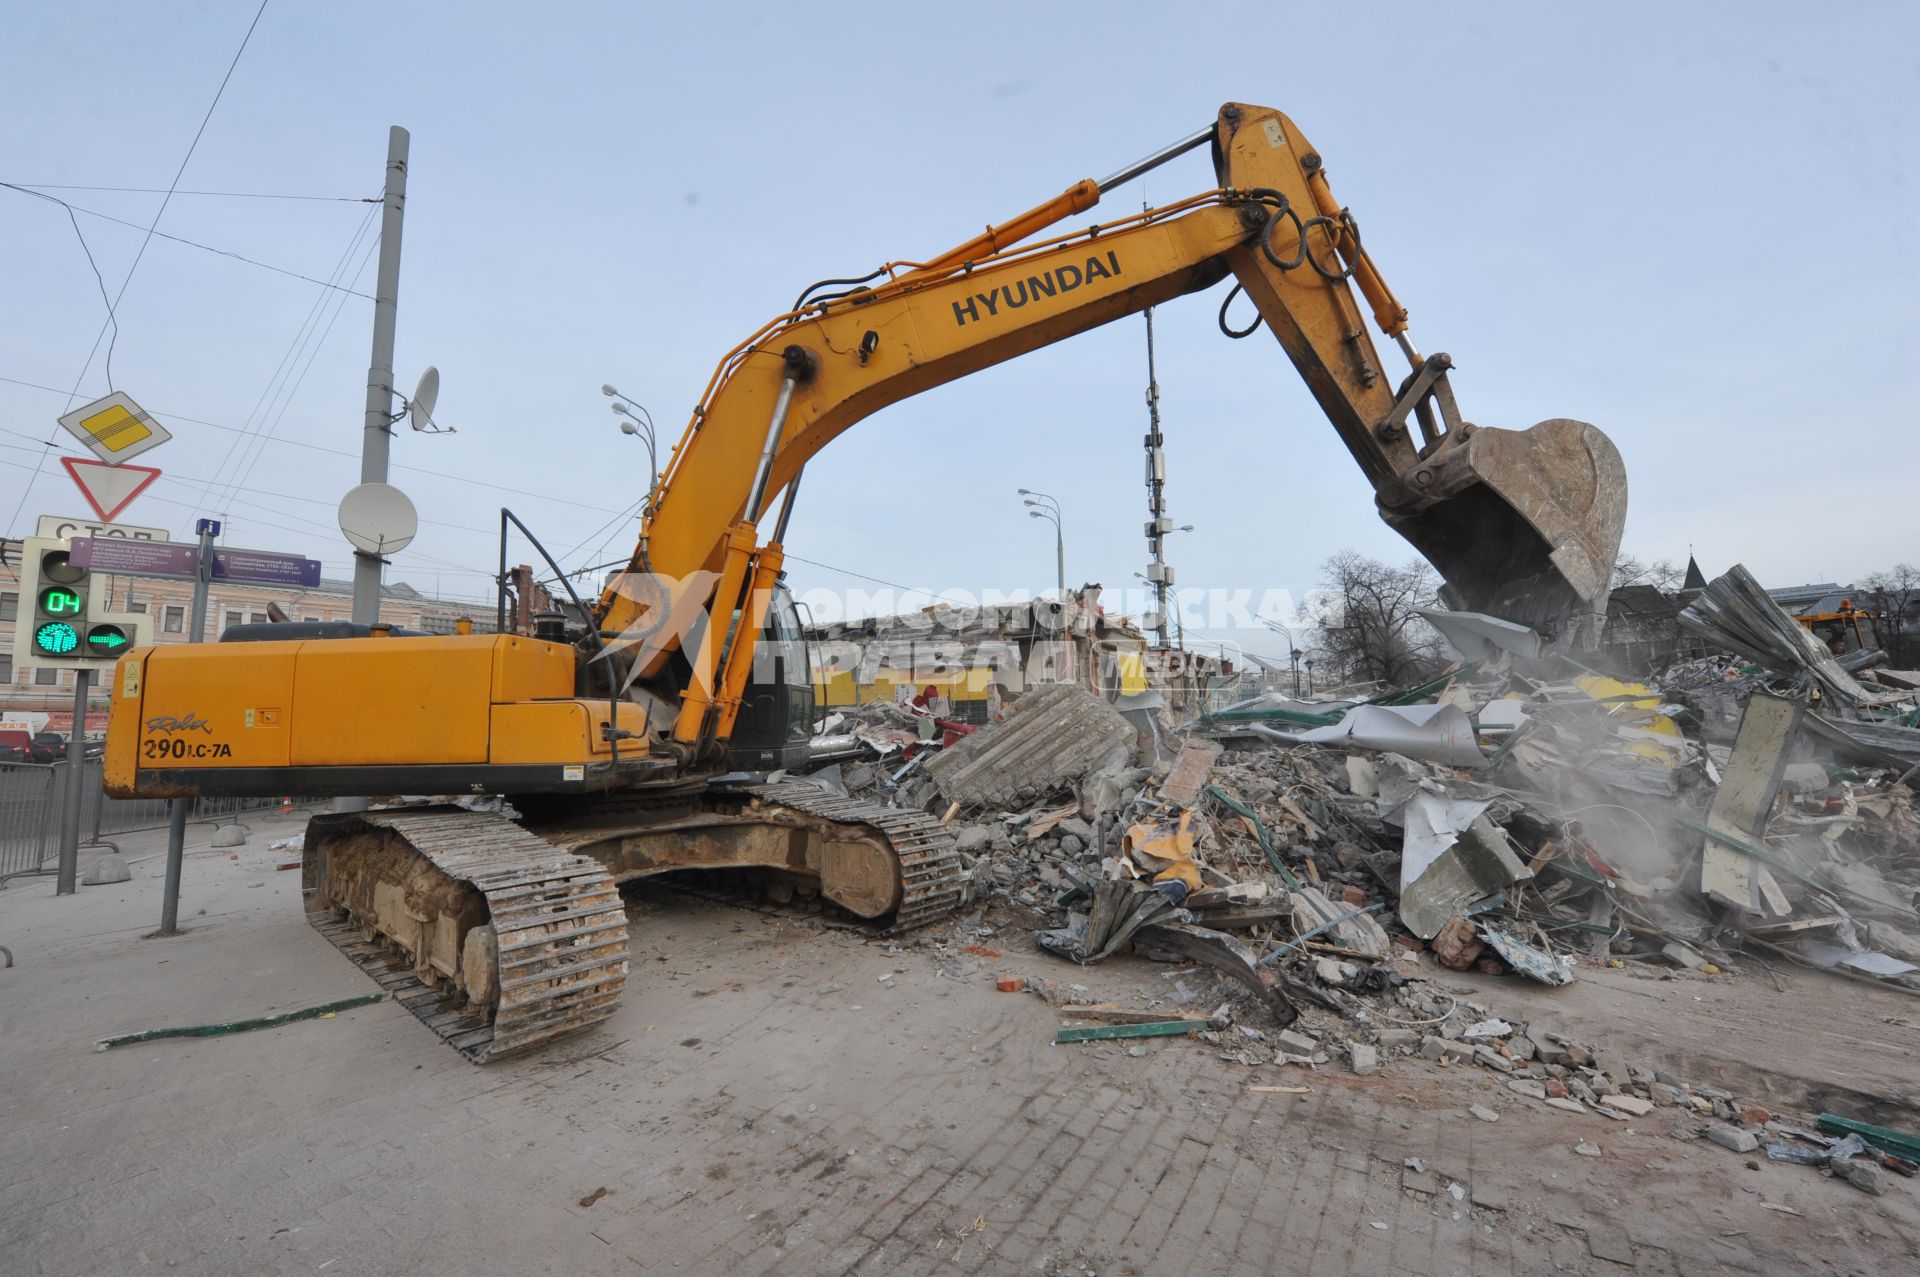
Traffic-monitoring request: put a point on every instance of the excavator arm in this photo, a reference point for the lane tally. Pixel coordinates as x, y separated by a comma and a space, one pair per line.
1521, 523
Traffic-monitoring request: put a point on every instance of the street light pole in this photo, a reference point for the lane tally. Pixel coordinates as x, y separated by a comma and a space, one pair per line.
1051, 511
1293, 655
637, 421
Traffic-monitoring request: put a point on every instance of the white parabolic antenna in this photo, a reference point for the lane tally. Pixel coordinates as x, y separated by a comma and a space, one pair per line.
425, 395
378, 518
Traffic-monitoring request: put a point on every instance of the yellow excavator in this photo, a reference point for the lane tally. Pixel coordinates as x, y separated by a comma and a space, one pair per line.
649, 731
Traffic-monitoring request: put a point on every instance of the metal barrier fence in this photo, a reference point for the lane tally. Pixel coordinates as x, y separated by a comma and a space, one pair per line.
33, 802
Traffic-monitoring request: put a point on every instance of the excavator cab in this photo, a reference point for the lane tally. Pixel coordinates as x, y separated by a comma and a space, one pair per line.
776, 709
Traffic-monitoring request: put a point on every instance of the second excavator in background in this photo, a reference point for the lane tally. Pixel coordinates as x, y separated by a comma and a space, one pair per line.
643, 735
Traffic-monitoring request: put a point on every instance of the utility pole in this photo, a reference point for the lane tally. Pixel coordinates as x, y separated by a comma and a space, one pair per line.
377, 434
177, 813
76, 774
1158, 524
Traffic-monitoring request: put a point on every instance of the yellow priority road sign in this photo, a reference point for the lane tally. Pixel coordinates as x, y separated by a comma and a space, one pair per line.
115, 429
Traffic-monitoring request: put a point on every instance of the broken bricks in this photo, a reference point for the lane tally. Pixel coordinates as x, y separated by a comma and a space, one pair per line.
1457, 945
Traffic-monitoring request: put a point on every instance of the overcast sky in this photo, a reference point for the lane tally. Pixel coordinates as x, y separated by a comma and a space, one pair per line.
1692, 225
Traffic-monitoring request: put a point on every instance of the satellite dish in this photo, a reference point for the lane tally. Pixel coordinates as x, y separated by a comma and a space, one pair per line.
425, 395
378, 519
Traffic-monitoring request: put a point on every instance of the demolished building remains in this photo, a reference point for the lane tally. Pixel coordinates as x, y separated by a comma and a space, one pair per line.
1522, 814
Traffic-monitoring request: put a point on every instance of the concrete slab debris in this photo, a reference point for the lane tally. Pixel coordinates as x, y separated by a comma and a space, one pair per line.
1051, 738
100, 870
1732, 1137
1629, 1104
1743, 805
1480, 863
1189, 774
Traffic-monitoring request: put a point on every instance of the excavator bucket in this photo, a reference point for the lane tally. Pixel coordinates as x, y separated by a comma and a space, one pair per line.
1523, 524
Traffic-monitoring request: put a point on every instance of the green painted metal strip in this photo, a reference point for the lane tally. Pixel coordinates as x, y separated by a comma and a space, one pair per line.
1266, 840
1414, 695
1898, 1143
240, 1026
1104, 1032
1746, 848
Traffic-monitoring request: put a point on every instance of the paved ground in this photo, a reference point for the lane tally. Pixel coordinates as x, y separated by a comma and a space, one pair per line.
766, 1102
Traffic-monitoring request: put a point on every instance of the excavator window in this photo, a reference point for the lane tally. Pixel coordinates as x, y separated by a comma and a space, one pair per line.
776, 710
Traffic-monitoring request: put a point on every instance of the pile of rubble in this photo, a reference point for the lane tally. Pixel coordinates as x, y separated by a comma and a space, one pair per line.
1522, 813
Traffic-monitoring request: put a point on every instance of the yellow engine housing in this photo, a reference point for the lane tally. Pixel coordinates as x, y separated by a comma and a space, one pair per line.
492, 713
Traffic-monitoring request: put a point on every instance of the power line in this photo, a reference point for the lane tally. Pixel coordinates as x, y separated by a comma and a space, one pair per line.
171, 187
234, 498
178, 239
112, 319
267, 434
312, 525
256, 417
155, 190
910, 589
574, 502
101, 281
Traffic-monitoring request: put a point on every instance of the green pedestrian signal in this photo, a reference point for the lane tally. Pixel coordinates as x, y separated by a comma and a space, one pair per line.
56, 638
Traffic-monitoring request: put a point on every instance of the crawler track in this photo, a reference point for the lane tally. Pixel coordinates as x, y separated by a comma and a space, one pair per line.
931, 881
559, 929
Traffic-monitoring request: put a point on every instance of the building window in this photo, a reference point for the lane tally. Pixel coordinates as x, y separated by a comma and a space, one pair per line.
235, 618
259, 618
46, 676
141, 608
310, 618
173, 620
9, 607
6, 668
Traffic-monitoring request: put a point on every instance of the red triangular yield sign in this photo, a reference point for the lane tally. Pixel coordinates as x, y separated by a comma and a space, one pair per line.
109, 489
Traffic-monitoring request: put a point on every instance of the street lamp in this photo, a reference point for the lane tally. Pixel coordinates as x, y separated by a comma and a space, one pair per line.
1293, 658
637, 421
1051, 512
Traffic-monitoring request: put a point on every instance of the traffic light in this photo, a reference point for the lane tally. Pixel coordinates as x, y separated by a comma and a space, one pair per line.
62, 620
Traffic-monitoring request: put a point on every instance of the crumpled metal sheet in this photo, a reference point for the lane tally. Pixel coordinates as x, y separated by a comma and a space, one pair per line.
1735, 613
1528, 960
1437, 733
1233, 958
1882, 744
1867, 962
1479, 637
1120, 908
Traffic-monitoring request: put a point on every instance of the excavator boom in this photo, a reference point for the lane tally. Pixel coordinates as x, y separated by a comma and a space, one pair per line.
1525, 524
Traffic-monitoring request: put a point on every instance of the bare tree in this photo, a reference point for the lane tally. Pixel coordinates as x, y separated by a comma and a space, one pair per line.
1629, 569
1895, 595
1368, 622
